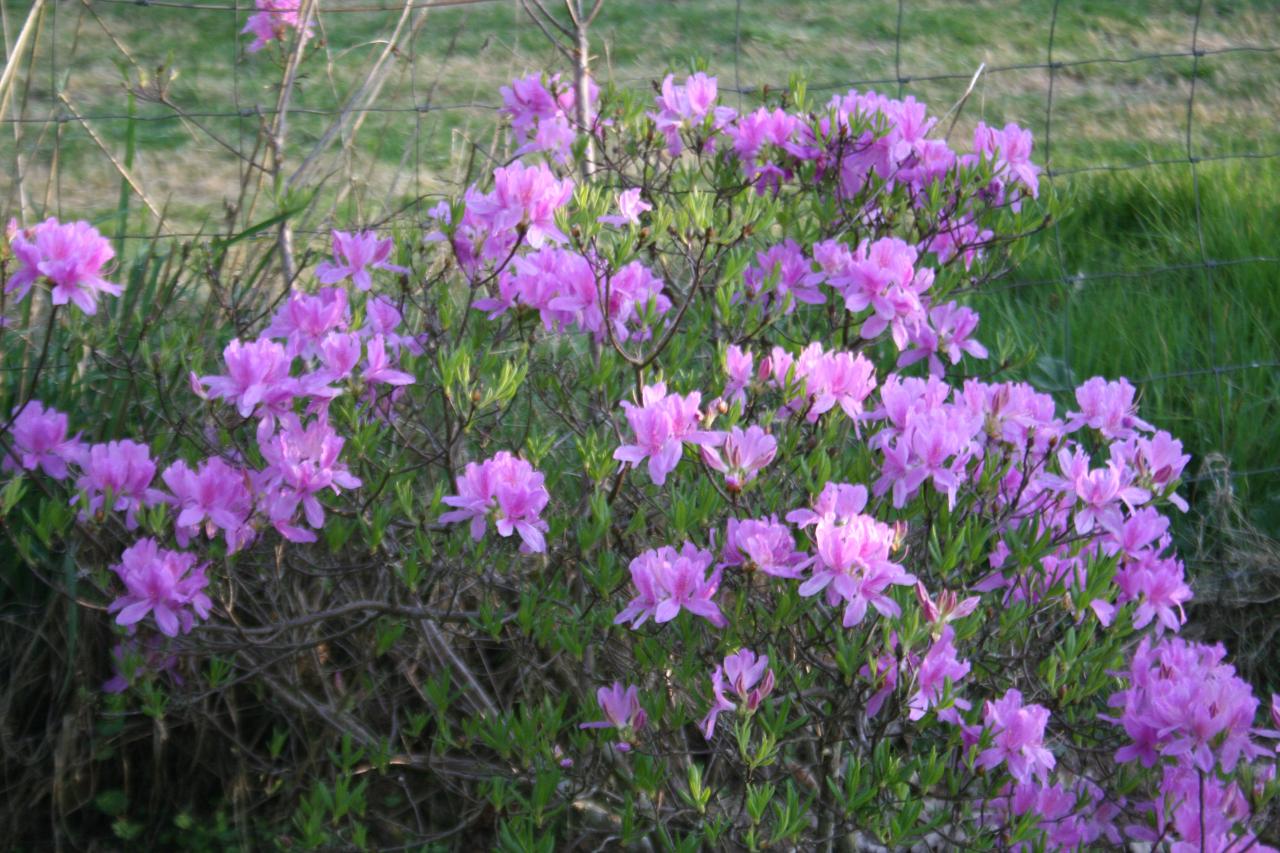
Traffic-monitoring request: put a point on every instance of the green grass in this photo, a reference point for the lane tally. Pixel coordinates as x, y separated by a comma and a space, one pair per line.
1165, 318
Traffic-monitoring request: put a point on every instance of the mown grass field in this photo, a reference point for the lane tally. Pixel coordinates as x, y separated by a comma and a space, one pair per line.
1117, 287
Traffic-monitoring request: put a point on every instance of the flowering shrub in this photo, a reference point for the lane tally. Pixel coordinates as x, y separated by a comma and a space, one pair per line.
736, 471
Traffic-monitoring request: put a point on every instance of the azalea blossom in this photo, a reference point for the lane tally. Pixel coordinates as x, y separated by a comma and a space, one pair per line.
70, 256
165, 584
667, 581
622, 711
353, 254
506, 490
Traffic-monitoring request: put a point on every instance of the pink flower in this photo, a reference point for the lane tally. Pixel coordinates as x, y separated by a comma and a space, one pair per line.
1017, 738
304, 321
214, 495
38, 438
273, 18
378, 369
1107, 407
302, 462
164, 583
622, 711
750, 679
837, 503
70, 256
1010, 152
1183, 702
667, 581
947, 332
940, 665
762, 544
682, 106
745, 455
507, 490
1160, 588
630, 206
780, 272
524, 197
353, 253
852, 565
382, 317
738, 364
257, 378
661, 424
119, 472
635, 296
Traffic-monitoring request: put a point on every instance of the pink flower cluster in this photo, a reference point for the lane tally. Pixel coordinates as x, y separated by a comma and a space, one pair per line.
851, 563
667, 581
564, 289
686, 107
746, 453
1186, 709
544, 113
165, 584
827, 379
662, 424
69, 256
506, 490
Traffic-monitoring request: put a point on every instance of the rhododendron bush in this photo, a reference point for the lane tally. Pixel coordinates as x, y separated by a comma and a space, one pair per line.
671, 493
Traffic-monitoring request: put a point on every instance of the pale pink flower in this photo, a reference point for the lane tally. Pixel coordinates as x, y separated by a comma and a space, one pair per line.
630, 206
622, 711
746, 453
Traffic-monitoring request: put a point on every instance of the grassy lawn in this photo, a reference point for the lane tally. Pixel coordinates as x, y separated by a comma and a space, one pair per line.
1116, 288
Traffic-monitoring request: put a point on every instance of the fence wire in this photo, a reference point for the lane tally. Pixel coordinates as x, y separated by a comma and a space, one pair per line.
63, 125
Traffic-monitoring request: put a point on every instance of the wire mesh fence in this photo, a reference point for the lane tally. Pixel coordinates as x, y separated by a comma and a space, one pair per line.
394, 108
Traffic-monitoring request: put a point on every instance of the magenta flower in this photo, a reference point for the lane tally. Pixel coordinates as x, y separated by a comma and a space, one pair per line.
38, 438
353, 254
1160, 588
763, 544
216, 496
745, 455
750, 679
301, 463
507, 490
852, 565
257, 379
947, 332
630, 206
622, 711
939, 666
339, 355
661, 424
304, 321
272, 20
117, 476
1017, 738
687, 105
378, 369
667, 581
70, 256
783, 271
166, 584
524, 197
382, 317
